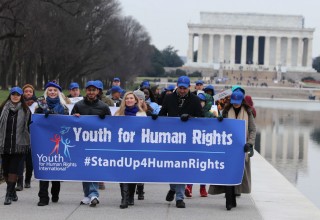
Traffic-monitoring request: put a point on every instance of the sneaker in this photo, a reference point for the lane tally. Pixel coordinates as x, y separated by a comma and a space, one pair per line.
85, 201
188, 192
180, 204
203, 192
94, 201
102, 186
170, 195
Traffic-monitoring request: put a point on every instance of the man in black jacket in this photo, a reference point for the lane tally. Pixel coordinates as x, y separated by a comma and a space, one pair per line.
181, 103
91, 105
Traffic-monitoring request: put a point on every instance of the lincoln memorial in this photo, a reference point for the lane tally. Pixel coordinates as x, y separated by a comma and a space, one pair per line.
239, 40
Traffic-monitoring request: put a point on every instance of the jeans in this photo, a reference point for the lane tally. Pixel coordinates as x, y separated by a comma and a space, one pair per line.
179, 189
90, 189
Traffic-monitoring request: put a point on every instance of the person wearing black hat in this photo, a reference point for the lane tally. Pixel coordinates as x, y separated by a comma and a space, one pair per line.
181, 103
52, 102
14, 139
239, 109
91, 105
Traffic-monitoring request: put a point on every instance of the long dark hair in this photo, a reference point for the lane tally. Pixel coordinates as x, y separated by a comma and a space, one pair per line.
23, 103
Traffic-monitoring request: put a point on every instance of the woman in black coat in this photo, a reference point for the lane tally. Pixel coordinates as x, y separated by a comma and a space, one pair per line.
14, 139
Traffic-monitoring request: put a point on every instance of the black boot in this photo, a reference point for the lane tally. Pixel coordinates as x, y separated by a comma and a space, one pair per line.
19, 184
8, 198
124, 195
14, 195
140, 192
131, 191
230, 198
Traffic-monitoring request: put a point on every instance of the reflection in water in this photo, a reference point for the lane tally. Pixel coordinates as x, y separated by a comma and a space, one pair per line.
289, 139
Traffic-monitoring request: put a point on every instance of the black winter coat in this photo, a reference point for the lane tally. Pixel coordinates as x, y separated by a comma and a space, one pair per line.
191, 106
86, 107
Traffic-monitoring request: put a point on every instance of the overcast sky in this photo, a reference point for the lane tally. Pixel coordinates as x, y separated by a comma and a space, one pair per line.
166, 20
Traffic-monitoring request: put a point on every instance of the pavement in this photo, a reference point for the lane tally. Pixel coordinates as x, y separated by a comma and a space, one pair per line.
272, 197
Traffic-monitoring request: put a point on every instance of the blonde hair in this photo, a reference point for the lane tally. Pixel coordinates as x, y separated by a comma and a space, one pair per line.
60, 95
122, 107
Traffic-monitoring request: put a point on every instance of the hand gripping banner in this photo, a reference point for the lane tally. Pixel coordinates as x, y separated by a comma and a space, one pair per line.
138, 149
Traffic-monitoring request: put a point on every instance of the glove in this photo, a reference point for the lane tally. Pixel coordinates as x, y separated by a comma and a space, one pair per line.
248, 148
220, 118
184, 117
154, 116
102, 116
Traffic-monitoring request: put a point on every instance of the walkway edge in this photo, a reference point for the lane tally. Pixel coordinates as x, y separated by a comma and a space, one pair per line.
275, 197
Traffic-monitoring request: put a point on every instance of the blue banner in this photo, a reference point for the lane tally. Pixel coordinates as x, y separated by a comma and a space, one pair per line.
138, 149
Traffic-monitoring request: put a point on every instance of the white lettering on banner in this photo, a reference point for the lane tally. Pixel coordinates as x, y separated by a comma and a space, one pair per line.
134, 164
56, 158
212, 138
126, 136
100, 135
148, 136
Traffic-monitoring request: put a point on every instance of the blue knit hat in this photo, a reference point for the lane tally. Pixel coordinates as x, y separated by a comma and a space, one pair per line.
53, 84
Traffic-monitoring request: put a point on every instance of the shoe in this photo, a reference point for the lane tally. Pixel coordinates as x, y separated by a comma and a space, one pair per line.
102, 186
8, 199
85, 201
170, 195
19, 187
203, 191
238, 194
27, 185
94, 201
14, 196
180, 204
55, 198
130, 201
188, 191
141, 196
43, 203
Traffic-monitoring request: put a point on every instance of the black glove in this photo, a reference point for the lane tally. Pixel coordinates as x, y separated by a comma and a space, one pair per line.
248, 148
184, 117
154, 116
102, 116
46, 113
220, 118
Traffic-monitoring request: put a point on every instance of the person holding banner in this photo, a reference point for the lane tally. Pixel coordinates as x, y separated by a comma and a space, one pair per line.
74, 90
52, 102
239, 109
129, 107
181, 103
91, 105
14, 139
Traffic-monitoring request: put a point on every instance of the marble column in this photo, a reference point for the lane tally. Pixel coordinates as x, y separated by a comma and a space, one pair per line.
309, 56
210, 50
255, 50
199, 60
300, 52
221, 49
244, 50
289, 51
267, 51
190, 49
232, 49
278, 51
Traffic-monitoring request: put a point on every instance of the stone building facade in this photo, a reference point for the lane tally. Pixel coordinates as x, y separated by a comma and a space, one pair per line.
239, 41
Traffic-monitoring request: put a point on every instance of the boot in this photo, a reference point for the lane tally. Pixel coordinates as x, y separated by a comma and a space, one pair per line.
188, 191
19, 184
140, 192
124, 195
27, 183
8, 198
14, 195
203, 191
230, 198
131, 190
